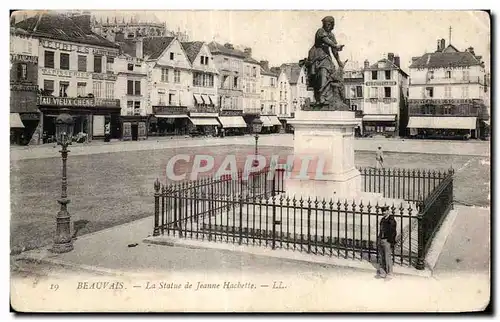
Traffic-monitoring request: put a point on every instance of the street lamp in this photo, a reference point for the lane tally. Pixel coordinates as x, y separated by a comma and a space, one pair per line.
256, 128
64, 133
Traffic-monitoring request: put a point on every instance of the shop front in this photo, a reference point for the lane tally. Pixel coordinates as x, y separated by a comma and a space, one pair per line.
94, 118
134, 127
170, 121
443, 127
270, 123
24, 116
380, 124
204, 124
232, 122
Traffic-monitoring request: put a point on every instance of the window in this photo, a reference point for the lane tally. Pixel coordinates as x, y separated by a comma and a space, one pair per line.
447, 109
235, 83
22, 71
354, 107
254, 71
171, 98
374, 74
387, 74
281, 109
387, 92
161, 98
352, 92
465, 92
130, 107
110, 90
48, 86
359, 91
430, 74
447, 91
374, 92
286, 95
97, 89
49, 59
64, 61
81, 89
130, 87
202, 60
109, 64
164, 75
448, 74
171, 56
465, 75
137, 108
177, 76
63, 89
130, 67
82, 63
97, 64
302, 79
429, 92
137, 88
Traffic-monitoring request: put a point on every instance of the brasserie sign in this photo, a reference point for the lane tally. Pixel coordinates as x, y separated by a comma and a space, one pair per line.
170, 110
65, 73
66, 101
440, 101
381, 83
24, 58
81, 49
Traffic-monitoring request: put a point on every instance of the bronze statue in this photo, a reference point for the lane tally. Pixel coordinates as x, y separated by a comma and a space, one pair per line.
326, 80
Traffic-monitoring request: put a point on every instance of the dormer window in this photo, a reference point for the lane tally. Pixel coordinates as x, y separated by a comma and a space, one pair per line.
448, 74
171, 56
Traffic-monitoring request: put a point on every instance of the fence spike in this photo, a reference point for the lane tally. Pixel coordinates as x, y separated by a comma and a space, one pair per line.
323, 202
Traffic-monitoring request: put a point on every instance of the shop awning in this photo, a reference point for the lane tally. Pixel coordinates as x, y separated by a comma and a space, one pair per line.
213, 99
15, 121
232, 121
436, 122
204, 121
174, 116
380, 117
266, 122
198, 99
206, 99
274, 120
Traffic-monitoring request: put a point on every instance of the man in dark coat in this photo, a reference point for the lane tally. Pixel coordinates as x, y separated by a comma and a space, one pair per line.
386, 241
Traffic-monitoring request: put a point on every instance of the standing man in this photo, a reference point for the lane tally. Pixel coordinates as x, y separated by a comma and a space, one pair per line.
379, 157
386, 242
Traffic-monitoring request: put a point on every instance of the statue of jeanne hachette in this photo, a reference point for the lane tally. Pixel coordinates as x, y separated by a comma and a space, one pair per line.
325, 79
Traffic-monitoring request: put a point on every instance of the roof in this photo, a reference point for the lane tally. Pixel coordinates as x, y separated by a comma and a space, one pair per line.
155, 46
292, 72
447, 58
192, 49
216, 48
387, 64
127, 47
263, 71
61, 27
251, 61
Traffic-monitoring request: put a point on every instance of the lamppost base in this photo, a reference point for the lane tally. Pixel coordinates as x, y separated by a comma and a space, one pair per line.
62, 248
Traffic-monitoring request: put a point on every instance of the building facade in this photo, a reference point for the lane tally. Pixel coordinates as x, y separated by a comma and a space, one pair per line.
75, 73
354, 83
24, 113
229, 62
268, 89
251, 91
386, 91
447, 94
131, 89
169, 85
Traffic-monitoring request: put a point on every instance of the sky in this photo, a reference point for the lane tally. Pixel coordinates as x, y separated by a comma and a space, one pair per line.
286, 36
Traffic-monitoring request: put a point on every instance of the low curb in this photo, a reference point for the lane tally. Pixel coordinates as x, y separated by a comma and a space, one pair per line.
282, 254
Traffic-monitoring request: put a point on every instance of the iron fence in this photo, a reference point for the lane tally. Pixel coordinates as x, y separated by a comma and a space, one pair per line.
255, 210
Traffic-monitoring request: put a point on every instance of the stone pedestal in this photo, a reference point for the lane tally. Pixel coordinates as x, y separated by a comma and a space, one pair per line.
327, 138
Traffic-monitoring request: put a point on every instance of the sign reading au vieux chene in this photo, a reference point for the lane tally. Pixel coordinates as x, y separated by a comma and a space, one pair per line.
65, 101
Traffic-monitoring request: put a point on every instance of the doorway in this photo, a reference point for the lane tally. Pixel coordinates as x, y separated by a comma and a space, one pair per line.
135, 131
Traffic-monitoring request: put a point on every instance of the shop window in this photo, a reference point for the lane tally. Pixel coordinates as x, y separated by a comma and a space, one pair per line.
49, 59
64, 61
82, 63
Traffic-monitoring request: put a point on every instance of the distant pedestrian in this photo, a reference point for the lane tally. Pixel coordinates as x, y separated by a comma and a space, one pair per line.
379, 158
386, 242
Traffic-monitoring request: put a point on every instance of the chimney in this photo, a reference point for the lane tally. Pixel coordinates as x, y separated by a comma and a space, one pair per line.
264, 64
119, 36
366, 64
471, 50
397, 61
138, 48
438, 48
229, 46
443, 44
83, 21
248, 52
390, 57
